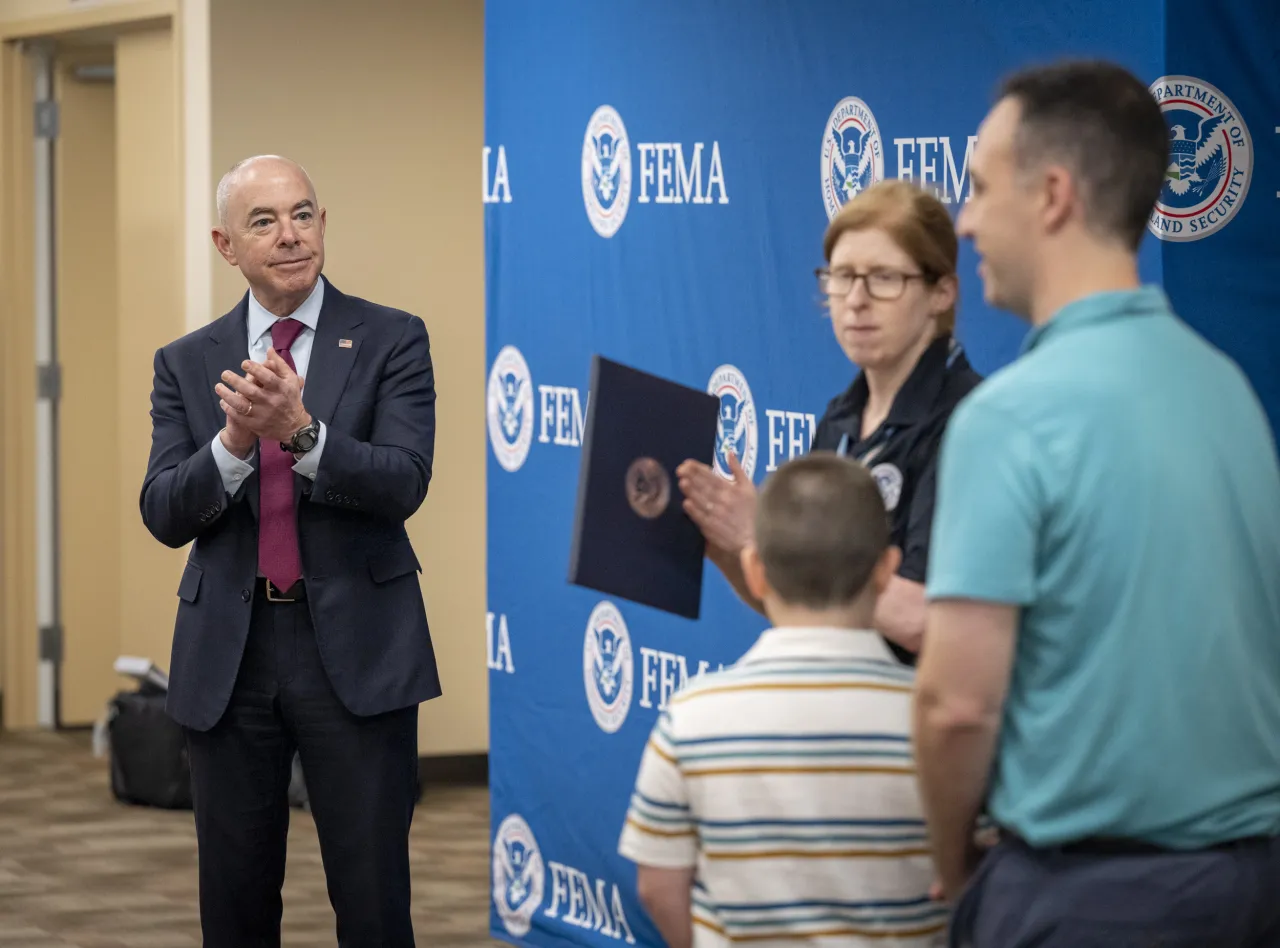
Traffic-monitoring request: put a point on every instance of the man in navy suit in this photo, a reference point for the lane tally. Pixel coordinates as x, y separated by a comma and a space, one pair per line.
300, 620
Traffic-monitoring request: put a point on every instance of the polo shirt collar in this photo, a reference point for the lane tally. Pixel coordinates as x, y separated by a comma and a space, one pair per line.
817, 642
308, 313
919, 393
1148, 300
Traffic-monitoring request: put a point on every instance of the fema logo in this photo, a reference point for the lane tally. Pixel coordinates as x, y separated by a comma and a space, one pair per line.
1210, 160
736, 429
607, 668
518, 876
889, 479
852, 153
606, 171
510, 408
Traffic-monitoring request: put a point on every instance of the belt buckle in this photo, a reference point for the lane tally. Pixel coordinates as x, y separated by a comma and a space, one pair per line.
270, 598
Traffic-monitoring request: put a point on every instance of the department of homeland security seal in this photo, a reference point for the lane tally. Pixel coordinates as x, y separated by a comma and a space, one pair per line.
1210, 160
518, 876
889, 479
607, 669
852, 153
736, 430
510, 408
606, 171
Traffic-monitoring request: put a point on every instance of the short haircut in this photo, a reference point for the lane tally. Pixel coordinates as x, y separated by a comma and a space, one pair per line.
821, 527
1105, 127
916, 221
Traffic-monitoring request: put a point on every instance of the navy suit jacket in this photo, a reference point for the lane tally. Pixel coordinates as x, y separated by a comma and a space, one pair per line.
377, 400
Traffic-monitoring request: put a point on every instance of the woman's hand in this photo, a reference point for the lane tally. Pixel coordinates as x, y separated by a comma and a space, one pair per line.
724, 510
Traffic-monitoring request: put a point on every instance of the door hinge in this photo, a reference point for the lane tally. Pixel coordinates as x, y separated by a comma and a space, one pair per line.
49, 381
47, 119
51, 643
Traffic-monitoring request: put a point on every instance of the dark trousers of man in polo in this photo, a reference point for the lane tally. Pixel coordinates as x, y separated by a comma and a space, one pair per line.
1114, 894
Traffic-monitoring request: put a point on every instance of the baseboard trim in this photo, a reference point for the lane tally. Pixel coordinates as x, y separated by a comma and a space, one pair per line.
467, 770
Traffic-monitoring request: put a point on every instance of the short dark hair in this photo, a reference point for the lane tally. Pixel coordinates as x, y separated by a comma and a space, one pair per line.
820, 528
1099, 120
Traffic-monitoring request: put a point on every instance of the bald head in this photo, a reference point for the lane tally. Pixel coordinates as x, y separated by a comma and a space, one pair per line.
252, 167
271, 227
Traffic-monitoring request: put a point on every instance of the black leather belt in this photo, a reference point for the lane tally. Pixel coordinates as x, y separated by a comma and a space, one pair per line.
1115, 846
269, 592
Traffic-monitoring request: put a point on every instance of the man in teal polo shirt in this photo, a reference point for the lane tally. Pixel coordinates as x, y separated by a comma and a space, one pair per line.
1101, 666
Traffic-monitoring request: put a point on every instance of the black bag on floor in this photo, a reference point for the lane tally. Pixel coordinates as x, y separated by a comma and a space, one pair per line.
149, 765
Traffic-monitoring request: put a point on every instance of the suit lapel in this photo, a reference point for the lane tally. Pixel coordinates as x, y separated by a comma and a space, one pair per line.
333, 353
228, 348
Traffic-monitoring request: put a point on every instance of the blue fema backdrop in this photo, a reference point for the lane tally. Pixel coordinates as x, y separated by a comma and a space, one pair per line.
657, 178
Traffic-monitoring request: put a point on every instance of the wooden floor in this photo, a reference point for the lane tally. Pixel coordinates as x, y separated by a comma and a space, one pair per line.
79, 870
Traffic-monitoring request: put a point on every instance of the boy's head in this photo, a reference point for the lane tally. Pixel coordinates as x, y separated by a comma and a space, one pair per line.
821, 539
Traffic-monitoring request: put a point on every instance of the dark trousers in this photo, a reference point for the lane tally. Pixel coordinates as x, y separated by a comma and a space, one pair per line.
361, 777
1021, 897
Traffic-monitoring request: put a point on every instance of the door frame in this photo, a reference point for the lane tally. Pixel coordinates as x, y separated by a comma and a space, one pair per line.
19, 631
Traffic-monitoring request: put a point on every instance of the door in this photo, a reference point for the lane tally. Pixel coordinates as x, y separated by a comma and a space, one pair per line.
88, 331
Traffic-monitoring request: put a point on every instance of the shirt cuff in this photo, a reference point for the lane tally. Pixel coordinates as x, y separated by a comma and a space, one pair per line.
309, 464
233, 470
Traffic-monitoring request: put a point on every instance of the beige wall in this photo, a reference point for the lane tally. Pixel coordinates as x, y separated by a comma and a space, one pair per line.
150, 302
88, 326
383, 104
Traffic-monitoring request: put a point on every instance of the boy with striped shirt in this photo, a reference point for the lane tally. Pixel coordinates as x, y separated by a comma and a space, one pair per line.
776, 800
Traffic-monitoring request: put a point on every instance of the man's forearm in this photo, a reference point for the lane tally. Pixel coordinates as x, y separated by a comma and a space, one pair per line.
180, 503
953, 761
381, 480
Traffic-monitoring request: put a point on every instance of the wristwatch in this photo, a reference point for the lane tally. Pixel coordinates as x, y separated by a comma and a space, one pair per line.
303, 440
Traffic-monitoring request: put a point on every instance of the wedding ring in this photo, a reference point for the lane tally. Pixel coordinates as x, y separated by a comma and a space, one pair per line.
249, 410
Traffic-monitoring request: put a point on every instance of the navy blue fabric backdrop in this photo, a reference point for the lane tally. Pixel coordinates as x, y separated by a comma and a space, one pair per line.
657, 178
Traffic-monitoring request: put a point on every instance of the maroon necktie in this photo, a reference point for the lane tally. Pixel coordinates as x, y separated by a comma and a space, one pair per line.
278, 556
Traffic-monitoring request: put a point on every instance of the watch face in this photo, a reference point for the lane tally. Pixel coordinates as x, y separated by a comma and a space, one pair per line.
305, 440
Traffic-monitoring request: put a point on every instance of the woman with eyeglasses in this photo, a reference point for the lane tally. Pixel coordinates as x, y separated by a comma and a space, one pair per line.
890, 290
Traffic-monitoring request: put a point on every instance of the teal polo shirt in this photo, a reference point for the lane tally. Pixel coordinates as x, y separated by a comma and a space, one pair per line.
1119, 482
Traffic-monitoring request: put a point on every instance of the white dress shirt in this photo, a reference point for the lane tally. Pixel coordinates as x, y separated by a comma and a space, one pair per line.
235, 471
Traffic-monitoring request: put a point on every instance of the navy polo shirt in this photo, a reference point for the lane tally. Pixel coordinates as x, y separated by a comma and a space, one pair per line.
902, 453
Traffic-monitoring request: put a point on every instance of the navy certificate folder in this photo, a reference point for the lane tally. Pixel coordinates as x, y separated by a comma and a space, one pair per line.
631, 536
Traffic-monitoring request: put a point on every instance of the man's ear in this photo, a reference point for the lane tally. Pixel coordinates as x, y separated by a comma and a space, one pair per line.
1059, 194
753, 571
222, 241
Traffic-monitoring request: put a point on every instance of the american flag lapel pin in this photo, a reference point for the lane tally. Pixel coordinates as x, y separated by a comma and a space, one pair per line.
344, 343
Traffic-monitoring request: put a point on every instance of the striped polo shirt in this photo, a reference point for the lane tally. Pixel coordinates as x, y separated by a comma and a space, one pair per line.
787, 783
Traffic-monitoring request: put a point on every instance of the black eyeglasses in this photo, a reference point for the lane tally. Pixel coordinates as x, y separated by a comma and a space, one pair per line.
882, 284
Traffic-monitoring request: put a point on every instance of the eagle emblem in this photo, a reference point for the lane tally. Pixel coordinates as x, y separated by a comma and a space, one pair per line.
604, 170
854, 169
1197, 162
511, 410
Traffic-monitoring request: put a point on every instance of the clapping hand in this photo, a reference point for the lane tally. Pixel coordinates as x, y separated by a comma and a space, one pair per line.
724, 510
266, 402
